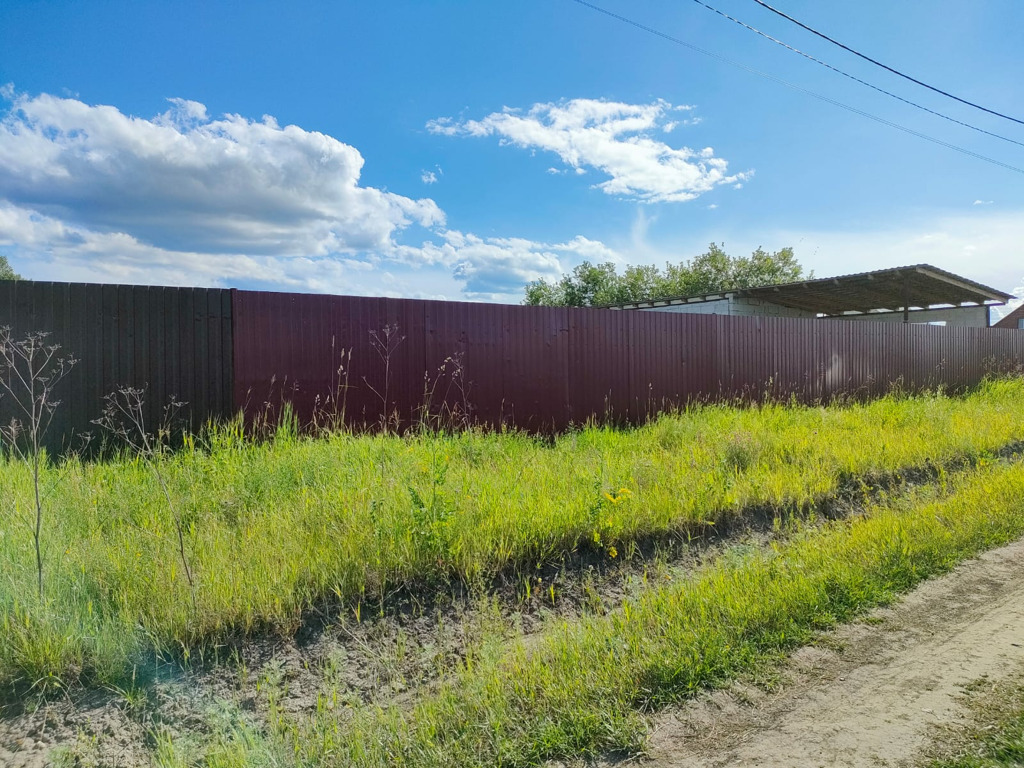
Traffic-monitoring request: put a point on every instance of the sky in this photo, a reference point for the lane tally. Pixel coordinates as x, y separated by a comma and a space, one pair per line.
460, 149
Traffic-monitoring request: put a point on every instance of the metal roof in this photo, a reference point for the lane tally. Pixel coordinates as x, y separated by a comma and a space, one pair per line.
918, 285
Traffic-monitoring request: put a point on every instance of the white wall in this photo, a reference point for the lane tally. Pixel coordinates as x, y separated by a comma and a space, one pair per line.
733, 306
762, 308
718, 307
972, 317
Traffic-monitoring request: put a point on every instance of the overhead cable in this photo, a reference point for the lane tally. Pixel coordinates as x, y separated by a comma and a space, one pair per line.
895, 71
856, 79
793, 86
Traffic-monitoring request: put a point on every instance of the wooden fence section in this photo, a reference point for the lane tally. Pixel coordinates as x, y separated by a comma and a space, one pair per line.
543, 369
173, 341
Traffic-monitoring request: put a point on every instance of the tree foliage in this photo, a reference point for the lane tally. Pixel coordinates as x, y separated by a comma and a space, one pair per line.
594, 285
7, 271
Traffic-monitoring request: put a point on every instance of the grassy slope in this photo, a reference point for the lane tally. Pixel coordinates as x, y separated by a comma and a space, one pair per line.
583, 688
275, 528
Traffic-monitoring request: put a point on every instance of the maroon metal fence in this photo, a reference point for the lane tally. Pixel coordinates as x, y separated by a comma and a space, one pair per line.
543, 369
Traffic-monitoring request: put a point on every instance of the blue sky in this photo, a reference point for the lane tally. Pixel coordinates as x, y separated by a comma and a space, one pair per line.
456, 149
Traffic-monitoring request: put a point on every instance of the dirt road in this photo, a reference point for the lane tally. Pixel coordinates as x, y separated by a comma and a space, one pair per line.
872, 692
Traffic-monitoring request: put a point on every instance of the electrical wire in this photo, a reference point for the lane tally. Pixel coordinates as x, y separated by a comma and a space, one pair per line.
793, 86
856, 79
823, 36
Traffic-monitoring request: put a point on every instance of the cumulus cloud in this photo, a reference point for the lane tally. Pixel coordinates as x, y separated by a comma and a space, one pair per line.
982, 202
615, 138
487, 269
184, 181
89, 193
73, 252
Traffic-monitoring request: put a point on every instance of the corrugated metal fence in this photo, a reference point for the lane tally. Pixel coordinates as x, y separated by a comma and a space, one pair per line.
534, 368
543, 369
176, 342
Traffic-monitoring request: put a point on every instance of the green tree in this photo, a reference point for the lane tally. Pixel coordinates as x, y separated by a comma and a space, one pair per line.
763, 268
710, 272
7, 271
637, 283
590, 285
587, 285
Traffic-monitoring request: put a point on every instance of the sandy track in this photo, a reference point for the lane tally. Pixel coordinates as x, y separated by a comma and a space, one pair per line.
872, 692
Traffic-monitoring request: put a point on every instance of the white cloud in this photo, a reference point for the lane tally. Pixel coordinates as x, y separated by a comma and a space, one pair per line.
184, 181
486, 269
673, 124
612, 137
89, 193
428, 177
77, 253
982, 202
497, 268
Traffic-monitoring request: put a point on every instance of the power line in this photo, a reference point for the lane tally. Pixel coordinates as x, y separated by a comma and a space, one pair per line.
885, 66
855, 78
801, 89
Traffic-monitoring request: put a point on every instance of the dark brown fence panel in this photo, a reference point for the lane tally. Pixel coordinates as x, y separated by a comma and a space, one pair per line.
326, 355
535, 368
464, 361
670, 363
599, 365
441, 358
546, 368
171, 341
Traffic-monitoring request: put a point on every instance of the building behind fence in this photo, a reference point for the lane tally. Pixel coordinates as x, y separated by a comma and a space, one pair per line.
534, 368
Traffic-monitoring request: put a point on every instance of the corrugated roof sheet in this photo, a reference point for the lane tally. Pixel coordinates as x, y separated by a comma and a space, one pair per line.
918, 285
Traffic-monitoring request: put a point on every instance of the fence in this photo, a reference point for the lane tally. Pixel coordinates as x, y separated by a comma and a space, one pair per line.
534, 368
175, 341
542, 369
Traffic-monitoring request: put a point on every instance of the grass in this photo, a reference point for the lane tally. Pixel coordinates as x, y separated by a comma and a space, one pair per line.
996, 737
584, 688
276, 528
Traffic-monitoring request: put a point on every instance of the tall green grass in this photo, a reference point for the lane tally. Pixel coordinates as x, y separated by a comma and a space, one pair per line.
276, 527
584, 688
